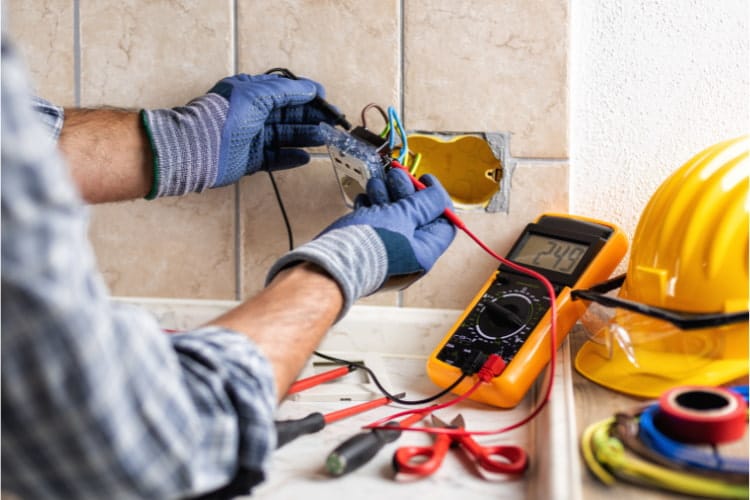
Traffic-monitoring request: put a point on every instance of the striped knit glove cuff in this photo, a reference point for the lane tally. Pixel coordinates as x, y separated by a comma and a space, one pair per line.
354, 256
185, 143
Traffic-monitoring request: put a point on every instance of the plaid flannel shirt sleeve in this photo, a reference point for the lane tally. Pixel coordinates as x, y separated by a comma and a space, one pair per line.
97, 401
50, 115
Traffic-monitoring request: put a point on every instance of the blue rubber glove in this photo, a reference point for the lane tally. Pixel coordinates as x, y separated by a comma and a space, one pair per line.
242, 125
412, 229
393, 237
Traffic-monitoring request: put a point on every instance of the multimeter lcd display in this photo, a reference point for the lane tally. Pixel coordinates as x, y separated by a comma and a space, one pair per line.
550, 253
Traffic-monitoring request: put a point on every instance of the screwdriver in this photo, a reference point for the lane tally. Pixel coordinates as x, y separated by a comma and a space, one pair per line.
289, 430
360, 448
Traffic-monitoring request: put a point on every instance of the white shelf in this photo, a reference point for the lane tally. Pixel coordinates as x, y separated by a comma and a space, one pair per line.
398, 340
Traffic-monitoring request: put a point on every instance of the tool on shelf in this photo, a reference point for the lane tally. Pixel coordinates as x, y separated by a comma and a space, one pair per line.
424, 460
289, 430
361, 448
314, 380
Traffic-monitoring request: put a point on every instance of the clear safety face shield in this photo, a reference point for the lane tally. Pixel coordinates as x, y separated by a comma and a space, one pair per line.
641, 350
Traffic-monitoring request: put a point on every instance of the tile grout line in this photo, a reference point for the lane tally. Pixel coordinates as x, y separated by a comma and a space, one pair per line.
77, 53
402, 101
553, 161
402, 63
237, 191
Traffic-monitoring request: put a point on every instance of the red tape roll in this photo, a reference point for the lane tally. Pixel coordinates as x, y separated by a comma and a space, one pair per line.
705, 415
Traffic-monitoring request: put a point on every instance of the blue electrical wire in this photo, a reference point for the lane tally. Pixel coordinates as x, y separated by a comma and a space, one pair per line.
395, 124
742, 390
685, 454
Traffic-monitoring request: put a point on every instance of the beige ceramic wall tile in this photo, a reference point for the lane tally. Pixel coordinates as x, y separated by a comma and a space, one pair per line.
350, 46
146, 54
489, 66
461, 271
173, 247
158, 54
43, 32
312, 200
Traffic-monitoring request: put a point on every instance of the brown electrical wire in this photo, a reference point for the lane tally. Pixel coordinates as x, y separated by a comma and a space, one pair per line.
370, 106
625, 429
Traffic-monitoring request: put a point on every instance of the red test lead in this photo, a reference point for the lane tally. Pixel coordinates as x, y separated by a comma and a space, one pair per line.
307, 383
289, 430
360, 408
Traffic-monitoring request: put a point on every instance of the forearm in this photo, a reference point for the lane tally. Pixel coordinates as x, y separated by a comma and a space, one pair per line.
108, 154
288, 319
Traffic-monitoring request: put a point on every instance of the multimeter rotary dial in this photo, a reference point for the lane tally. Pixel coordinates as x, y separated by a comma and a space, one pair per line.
506, 315
500, 322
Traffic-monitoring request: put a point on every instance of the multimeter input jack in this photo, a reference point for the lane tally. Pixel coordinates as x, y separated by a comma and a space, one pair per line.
472, 363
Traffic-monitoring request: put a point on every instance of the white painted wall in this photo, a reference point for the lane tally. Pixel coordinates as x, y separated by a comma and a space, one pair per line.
652, 83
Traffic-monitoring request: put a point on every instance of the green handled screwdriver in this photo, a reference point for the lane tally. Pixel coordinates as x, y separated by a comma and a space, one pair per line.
360, 448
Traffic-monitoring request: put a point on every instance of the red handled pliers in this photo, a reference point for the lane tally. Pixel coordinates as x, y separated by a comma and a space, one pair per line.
424, 460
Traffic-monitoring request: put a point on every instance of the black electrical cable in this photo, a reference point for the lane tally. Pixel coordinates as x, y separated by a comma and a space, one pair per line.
337, 117
383, 389
289, 234
283, 72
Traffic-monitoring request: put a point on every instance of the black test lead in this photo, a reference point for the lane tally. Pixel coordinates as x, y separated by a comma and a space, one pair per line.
338, 117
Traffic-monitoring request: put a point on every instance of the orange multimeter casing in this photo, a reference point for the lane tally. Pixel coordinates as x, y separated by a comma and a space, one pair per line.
510, 316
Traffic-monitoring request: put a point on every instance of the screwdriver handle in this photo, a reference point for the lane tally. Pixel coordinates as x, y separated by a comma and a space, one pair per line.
289, 430
358, 450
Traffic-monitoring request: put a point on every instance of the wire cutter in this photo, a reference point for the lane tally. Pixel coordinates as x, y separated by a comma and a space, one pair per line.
424, 460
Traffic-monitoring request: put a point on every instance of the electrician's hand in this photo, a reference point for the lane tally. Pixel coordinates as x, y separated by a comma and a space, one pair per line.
408, 223
394, 236
242, 125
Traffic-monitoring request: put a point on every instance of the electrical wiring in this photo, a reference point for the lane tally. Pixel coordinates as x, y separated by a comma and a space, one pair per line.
626, 427
609, 460
289, 233
397, 127
383, 390
490, 369
414, 163
678, 452
382, 112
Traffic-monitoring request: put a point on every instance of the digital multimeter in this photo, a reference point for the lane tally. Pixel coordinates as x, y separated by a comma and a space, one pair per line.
510, 316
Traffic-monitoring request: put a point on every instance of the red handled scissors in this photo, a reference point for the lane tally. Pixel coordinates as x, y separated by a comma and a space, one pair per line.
424, 460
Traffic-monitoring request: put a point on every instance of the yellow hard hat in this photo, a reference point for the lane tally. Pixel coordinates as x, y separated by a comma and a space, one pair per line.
680, 317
